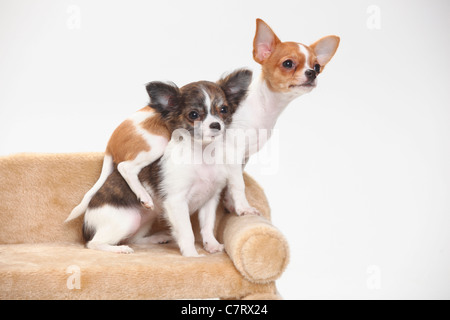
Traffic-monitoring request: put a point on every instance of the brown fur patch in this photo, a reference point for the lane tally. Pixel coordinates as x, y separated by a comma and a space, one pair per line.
146, 109
126, 143
116, 192
156, 125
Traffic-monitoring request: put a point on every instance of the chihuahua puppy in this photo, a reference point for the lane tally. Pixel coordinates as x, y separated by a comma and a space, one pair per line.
136, 142
196, 115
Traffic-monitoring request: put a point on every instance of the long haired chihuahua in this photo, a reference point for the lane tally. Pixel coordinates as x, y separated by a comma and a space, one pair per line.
195, 116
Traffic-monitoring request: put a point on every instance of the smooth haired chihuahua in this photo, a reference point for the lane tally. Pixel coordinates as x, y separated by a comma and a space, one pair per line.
289, 70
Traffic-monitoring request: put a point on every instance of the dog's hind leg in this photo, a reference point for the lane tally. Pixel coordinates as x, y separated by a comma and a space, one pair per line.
109, 226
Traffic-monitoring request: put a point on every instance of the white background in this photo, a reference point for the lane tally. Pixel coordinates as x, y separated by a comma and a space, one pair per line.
362, 182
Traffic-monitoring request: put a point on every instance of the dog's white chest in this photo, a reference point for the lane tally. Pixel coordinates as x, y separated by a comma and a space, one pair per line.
206, 181
187, 175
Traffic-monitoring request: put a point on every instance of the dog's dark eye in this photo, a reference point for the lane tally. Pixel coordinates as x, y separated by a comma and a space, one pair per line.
193, 115
288, 64
224, 109
317, 68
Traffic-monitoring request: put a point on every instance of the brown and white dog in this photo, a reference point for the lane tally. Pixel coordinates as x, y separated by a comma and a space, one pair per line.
195, 117
136, 142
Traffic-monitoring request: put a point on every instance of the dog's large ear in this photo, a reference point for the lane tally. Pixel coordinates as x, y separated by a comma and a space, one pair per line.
264, 42
235, 85
164, 97
325, 48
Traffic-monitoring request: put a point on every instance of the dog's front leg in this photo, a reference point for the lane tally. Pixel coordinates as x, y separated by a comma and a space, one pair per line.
207, 218
177, 212
236, 192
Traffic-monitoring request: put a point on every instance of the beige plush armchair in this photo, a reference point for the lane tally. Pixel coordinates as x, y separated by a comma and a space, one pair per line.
41, 257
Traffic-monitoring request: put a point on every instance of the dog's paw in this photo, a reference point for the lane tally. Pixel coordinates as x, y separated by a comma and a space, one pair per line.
159, 238
123, 249
250, 211
213, 247
147, 201
191, 253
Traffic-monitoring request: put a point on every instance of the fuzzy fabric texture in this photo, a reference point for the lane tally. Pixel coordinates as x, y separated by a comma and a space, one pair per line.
41, 257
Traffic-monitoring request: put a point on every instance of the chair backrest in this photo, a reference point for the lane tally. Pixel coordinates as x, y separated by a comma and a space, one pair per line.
38, 191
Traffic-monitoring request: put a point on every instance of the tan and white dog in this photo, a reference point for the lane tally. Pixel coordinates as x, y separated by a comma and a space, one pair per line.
289, 70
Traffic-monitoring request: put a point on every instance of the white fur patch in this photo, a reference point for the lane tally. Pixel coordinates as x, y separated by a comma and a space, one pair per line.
111, 225
207, 101
305, 52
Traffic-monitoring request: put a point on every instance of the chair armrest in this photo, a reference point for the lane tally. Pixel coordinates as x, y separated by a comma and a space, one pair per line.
258, 250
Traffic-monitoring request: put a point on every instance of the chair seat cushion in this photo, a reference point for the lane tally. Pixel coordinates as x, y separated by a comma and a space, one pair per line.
68, 270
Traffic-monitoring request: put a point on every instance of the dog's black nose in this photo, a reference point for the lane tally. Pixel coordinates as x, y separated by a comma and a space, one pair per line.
310, 74
215, 125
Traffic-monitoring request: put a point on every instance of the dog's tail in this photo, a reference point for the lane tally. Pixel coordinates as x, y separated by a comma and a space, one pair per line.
107, 169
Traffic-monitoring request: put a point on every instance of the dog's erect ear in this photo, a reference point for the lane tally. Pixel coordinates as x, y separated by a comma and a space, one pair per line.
264, 42
235, 85
164, 97
325, 49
